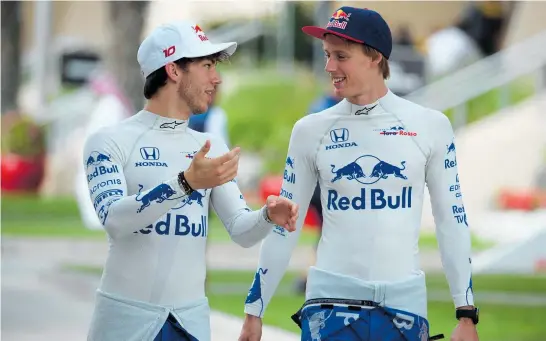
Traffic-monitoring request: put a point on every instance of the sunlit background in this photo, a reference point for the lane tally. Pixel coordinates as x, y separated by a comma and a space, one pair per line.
69, 68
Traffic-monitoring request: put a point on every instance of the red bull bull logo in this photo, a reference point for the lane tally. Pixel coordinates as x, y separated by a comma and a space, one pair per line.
340, 14
200, 33
368, 169
339, 19
195, 197
157, 194
197, 29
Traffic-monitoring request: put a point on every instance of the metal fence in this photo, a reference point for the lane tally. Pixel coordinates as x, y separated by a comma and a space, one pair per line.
494, 72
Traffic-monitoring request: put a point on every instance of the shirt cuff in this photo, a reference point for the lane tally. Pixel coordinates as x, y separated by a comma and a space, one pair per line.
265, 216
463, 300
254, 310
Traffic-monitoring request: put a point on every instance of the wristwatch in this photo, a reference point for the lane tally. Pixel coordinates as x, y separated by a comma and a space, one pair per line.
473, 314
184, 185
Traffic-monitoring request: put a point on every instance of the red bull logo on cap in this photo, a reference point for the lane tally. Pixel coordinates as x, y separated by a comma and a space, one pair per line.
200, 33
340, 14
339, 19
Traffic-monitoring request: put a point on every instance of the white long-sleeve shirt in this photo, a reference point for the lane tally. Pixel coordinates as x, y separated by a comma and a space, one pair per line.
157, 235
372, 163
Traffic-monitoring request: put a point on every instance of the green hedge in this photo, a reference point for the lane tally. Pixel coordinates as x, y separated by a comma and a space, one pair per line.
261, 115
263, 111
22, 136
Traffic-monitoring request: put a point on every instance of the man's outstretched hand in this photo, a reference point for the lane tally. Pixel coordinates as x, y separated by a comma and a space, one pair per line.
282, 212
211, 172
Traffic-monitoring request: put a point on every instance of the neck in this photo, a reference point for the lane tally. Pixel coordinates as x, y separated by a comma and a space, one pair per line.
168, 106
371, 94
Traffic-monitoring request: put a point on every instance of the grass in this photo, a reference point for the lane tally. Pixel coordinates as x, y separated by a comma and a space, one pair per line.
504, 283
499, 322
30, 216
27, 215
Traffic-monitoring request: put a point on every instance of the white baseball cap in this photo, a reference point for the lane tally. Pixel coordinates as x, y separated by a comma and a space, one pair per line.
170, 42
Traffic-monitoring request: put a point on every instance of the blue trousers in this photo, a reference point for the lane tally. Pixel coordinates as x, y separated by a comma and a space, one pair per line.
173, 331
342, 322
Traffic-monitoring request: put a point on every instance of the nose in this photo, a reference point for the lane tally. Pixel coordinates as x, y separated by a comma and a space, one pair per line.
330, 65
216, 79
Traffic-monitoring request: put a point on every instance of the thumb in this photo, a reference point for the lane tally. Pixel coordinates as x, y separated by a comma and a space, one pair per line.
271, 200
272, 203
203, 151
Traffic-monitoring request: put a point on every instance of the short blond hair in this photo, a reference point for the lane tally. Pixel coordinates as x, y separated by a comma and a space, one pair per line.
383, 64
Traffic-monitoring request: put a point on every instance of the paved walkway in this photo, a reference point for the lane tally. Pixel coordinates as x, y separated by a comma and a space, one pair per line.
40, 301
43, 302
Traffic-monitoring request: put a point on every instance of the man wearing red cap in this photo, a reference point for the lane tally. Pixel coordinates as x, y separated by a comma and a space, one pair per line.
372, 154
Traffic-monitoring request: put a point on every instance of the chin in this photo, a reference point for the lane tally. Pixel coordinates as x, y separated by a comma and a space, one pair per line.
342, 93
200, 110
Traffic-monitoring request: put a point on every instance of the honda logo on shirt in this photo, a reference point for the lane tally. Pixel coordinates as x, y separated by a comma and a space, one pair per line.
339, 135
149, 153
340, 139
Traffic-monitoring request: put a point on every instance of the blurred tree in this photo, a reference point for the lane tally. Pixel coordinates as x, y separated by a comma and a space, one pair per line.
303, 16
11, 31
127, 19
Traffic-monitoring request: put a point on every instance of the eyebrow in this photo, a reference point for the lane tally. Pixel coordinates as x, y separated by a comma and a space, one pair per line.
335, 51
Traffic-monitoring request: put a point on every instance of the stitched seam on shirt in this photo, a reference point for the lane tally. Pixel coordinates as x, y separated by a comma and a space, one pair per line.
147, 130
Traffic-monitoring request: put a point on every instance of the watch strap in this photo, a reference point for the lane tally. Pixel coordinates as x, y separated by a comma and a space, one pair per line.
468, 313
184, 185
265, 215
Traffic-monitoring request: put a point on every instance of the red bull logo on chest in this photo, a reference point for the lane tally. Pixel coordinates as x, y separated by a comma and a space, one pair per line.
368, 170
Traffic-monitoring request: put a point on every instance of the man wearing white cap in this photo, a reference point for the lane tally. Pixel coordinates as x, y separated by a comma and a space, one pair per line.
151, 179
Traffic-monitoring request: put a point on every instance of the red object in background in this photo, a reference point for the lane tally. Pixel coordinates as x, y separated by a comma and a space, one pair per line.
21, 174
271, 185
540, 266
522, 200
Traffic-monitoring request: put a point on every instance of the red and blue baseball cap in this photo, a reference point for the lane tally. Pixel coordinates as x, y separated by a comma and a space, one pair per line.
360, 25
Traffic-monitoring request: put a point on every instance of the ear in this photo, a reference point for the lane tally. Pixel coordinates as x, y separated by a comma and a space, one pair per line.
172, 72
378, 59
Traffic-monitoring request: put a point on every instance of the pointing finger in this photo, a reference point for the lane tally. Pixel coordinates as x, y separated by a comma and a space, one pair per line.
228, 156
